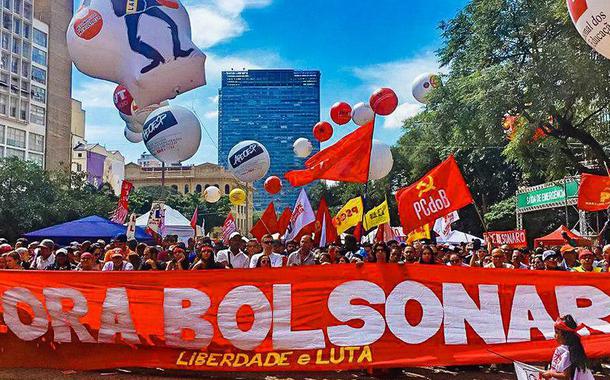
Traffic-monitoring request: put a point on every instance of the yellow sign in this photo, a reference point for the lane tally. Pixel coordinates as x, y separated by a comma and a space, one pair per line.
349, 216
419, 234
377, 216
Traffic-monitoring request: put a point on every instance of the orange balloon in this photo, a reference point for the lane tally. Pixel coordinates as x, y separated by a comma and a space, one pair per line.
273, 185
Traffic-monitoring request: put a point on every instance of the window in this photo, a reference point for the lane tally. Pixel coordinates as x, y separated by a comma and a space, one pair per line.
6, 40
3, 104
17, 6
23, 111
39, 75
227, 189
37, 115
7, 21
40, 38
1, 151
27, 31
15, 63
4, 58
175, 188
198, 189
27, 49
7, 4
1, 134
13, 108
16, 45
186, 189
25, 71
14, 85
36, 142
17, 26
39, 94
39, 56
36, 158
27, 10
15, 153
15, 137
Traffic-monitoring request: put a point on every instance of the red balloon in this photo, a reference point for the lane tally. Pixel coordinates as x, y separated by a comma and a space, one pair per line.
323, 131
341, 113
123, 100
384, 101
273, 185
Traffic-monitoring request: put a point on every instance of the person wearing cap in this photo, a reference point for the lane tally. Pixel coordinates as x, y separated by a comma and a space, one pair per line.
233, 257
570, 257
551, 260
87, 263
21, 242
119, 242
117, 262
303, 255
62, 262
276, 259
604, 264
586, 258
46, 256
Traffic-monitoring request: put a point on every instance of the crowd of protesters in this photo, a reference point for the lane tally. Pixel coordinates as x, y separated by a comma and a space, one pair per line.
203, 253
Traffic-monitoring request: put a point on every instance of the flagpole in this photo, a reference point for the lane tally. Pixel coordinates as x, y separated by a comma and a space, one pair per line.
480, 216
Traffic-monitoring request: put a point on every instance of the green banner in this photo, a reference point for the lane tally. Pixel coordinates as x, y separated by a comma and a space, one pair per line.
547, 195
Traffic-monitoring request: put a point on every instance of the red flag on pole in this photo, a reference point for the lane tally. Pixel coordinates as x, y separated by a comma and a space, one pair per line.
594, 192
325, 230
441, 191
194, 219
282, 223
228, 228
267, 224
348, 160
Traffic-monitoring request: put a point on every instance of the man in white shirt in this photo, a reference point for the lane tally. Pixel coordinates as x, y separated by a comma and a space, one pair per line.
46, 255
117, 263
276, 259
303, 255
233, 257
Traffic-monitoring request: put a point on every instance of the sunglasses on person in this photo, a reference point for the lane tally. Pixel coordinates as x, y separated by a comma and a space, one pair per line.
267, 241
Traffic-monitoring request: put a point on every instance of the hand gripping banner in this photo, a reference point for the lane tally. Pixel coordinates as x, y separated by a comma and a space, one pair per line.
294, 319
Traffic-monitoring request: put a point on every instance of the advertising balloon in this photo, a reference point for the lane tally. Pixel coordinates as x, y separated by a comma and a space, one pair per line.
302, 147
172, 134
341, 113
381, 160
123, 100
132, 137
589, 17
237, 197
144, 45
211, 194
134, 116
323, 131
362, 114
423, 85
249, 161
141, 114
384, 101
273, 185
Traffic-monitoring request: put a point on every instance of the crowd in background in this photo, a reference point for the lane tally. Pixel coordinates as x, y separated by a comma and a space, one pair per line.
205, 253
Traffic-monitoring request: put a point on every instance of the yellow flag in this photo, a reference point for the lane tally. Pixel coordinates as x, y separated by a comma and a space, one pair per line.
377, 216
349, 216
419, 234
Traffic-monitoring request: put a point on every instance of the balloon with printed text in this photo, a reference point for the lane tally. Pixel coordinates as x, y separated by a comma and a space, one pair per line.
591, 20
211, 194
237, 197
249, 161
423, 85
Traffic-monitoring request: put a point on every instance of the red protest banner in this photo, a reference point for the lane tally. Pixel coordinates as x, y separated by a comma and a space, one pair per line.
314, 318
438, 193
514, 238
594, 192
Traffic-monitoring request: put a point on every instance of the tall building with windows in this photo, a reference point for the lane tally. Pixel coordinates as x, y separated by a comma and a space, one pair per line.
35, 81
273, 107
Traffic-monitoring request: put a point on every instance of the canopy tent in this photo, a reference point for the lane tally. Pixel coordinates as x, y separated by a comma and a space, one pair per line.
175, 224
555, 238
456, 237
90, 228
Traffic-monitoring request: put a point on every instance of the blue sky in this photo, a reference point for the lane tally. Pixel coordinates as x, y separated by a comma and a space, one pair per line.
358, 45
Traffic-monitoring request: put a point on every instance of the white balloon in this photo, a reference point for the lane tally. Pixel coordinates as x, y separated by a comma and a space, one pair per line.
423, 85
172, 134
144, 45
362, 114
249, 161
302, 147
211, 194
139, 116
381, 160
132, 137
589, 17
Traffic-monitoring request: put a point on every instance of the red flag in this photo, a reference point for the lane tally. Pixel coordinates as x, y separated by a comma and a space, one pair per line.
267, 224
282, 223
594, 192
228, 227
358, 231
119, 215
325, 230
441, 191
347, 160
194, 219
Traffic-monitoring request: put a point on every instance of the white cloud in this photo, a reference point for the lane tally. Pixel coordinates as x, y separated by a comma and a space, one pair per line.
213, 115
399, 76
213, 22
95, 93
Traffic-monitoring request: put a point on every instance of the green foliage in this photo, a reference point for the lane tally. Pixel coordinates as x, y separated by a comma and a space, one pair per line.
31, 198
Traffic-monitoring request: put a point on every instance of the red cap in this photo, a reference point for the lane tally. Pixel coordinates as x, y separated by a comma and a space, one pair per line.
584, 253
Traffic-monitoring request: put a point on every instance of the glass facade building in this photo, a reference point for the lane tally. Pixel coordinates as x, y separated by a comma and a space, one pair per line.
273, 107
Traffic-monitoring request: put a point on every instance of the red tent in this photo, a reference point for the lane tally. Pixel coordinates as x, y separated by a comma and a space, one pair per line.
555, 238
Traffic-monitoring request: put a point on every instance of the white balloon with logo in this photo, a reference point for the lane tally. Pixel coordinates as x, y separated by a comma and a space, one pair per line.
423, 85
211, 194
381, 160
132, 137
302, 147
249, 161
590, 19
172, 134
144, 45
362, 114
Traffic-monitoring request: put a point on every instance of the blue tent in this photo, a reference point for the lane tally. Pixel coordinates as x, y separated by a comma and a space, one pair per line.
90, 228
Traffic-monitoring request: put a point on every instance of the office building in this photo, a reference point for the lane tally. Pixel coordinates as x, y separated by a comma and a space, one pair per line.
35, 82
273, 107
